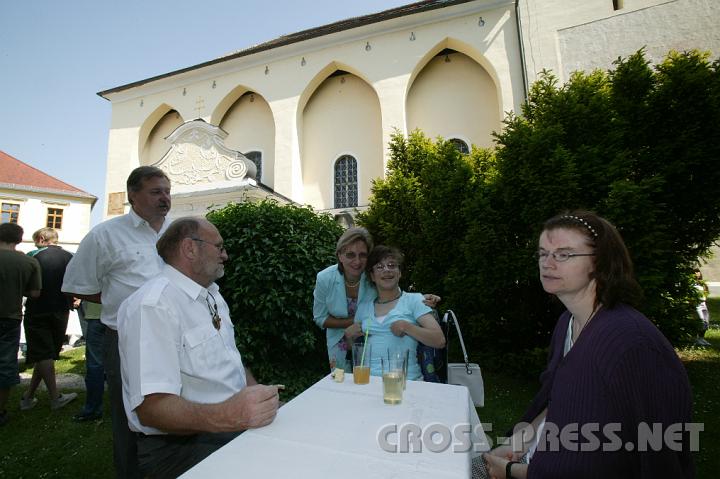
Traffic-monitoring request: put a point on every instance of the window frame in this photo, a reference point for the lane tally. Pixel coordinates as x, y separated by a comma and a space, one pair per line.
456, 140
53, 219
347, 199
10, 212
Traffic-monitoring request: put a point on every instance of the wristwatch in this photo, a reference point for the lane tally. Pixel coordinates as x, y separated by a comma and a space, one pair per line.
507, 469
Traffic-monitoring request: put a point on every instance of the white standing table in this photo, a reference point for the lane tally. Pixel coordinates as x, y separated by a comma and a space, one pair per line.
332, 429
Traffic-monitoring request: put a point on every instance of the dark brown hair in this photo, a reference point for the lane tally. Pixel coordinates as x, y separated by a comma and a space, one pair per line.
379, 253
613, 272
141, 173
11, 233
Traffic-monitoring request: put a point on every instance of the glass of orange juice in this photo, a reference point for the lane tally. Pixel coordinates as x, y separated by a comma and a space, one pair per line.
361, 362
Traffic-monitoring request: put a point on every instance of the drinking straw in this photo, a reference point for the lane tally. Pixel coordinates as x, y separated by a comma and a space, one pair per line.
362, 357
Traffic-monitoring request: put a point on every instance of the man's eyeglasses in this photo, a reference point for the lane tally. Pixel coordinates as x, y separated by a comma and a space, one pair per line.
389, 266
351, 255
219, 245
559, 256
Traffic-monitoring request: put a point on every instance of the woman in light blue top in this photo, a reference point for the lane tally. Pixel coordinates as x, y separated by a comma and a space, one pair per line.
340, 287
396, 320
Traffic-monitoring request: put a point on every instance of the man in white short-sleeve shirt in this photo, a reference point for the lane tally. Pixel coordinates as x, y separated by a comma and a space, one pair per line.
185, 389
113, 260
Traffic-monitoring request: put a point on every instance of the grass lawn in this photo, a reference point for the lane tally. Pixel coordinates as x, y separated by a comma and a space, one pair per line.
41, 443
702, 365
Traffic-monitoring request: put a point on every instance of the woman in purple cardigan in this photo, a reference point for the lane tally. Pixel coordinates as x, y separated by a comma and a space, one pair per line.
614, 393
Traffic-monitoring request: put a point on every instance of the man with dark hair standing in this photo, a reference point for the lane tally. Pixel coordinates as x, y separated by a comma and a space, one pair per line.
46, 319
113, 260
185, 388
19, 276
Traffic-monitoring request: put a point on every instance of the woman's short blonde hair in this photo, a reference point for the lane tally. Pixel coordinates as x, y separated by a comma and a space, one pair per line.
351, 235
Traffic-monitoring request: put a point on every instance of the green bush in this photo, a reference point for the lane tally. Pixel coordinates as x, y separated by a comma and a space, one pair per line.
274, 254
639, 145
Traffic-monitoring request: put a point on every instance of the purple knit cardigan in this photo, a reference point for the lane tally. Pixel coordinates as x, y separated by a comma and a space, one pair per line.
620, 373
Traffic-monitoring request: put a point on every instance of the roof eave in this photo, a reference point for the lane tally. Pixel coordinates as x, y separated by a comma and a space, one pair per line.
52, 191
339, 26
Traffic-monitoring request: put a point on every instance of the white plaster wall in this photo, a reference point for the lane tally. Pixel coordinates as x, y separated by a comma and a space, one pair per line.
250, 127
279, 76
566, 35
540, 21
454, 99
678, 25
341, 118
33, 216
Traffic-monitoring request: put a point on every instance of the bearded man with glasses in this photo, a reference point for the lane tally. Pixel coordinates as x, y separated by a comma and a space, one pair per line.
185, 388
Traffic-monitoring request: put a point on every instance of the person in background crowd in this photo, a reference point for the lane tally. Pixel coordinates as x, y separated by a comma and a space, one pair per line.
20, 276
39, 243
609, 369
94, 333
112, 262
46, 319
702, 309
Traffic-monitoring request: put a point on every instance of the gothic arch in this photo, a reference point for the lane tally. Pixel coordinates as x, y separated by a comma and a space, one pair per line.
460, 47
156, 127
453, 91
250, 125
226, 103
338, 112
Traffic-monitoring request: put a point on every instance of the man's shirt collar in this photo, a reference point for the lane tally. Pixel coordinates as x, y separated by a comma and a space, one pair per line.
187, 285
138, 220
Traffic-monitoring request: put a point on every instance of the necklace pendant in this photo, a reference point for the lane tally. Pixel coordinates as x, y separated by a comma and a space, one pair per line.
216, 322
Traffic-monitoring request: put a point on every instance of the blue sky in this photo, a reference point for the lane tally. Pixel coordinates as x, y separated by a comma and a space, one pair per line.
56, 55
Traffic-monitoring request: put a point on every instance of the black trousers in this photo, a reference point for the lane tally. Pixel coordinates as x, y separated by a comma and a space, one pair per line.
169, 456
124, 440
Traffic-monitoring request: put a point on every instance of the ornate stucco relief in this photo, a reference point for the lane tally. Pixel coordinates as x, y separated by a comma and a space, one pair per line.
199, 156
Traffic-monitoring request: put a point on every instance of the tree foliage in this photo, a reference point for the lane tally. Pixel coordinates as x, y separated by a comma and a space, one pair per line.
274, 254
639, 145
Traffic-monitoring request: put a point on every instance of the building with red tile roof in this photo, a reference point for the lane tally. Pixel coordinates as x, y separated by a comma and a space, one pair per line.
34, 199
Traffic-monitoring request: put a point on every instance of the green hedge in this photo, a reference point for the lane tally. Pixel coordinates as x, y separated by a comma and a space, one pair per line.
274, 254
639, 145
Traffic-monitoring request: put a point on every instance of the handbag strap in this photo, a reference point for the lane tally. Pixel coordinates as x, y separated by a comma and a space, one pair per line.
450, 317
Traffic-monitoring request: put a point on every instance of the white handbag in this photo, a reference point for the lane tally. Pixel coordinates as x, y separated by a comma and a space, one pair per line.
465, 374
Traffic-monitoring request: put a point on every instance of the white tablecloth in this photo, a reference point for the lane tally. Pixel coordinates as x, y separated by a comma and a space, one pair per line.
331, 430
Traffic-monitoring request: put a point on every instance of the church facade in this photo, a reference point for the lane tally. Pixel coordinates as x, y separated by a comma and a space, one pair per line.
307, 117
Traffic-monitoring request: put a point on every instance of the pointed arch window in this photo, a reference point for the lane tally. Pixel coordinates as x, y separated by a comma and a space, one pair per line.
346, 182
256, 157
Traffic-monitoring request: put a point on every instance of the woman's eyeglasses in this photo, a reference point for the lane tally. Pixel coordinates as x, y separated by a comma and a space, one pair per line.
559, 256
389, 266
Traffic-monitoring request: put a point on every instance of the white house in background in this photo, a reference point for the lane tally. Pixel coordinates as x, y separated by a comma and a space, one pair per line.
34, 200
315, 110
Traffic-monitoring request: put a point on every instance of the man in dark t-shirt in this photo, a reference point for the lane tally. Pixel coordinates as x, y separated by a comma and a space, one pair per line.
46, 319
19, 276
